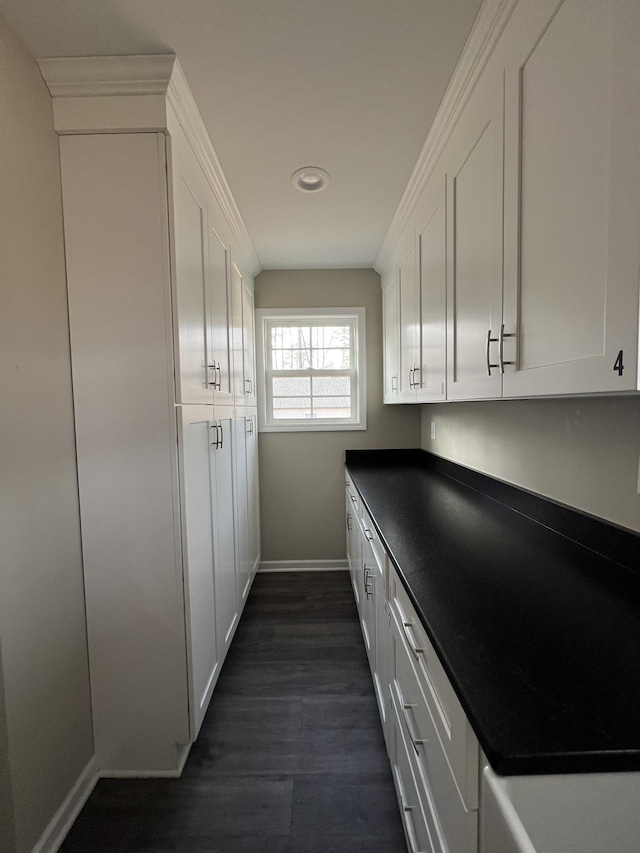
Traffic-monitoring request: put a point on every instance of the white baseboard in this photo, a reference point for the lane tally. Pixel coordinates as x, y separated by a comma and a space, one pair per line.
303, 565
62, 821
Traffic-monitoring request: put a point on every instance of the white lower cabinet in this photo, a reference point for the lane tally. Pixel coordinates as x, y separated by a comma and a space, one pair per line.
433, 751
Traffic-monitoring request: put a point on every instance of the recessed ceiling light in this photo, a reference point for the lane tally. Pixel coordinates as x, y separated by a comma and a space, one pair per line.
310, 179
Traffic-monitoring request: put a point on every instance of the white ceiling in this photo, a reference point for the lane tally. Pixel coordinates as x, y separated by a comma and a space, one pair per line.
351, 86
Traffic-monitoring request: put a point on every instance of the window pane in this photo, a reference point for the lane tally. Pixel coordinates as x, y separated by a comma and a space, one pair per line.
286, 386
331, 385
332, 407
290, 359
323, 337
331, 359
290, 337
291, 407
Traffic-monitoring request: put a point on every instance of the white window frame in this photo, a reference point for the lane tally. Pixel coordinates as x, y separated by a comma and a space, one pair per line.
311, 316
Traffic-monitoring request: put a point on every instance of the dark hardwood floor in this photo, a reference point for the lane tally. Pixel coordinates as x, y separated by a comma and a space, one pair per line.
290, 757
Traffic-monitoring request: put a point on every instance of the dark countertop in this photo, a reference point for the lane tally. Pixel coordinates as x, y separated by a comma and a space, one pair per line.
539, 634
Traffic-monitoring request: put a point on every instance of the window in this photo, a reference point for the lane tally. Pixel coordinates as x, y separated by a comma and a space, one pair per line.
311, 369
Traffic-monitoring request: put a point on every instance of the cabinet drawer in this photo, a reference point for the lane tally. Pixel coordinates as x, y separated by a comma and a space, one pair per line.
436, 784
452, 728
370, 534
419, 826
353, 497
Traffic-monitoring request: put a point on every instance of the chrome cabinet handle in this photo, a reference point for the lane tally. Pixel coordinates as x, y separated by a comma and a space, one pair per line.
394, 384
490, 341
501, 360
349, 521
416, 382
411, 377
353, 498
367, 578
221, 435
212, 382
216, 442
408, 822
408, 632
367, 534
406, 706
219, 373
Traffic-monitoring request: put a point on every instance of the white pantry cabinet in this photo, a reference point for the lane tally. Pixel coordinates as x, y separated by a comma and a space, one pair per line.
170, 532
243, 336
541, 151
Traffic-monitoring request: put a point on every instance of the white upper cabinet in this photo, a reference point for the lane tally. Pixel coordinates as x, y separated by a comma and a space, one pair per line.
390, 332
474, 290
243, 338
541, 150
201, 258
572, 195
432, 251
409, 320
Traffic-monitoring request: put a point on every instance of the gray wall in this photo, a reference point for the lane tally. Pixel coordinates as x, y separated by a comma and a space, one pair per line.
581, 451
301, 474
47, 725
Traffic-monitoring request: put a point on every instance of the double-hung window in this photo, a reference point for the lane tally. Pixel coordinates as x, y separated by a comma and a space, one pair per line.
311, 368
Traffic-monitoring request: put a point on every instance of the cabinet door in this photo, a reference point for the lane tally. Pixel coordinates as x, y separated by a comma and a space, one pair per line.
409, 321
391, 335
237, 345
572, 191
218, 320
241, 496
367, 593
248, 344
190, 227
432, 249
227, 605
253, 489
474, 272
382, 645
197, 505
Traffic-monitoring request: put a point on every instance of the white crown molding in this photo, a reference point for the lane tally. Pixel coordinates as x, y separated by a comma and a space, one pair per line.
98, 76
183, 104
103, 94
487, 29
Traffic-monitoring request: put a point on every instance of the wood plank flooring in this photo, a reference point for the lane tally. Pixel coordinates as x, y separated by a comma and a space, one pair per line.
290, 757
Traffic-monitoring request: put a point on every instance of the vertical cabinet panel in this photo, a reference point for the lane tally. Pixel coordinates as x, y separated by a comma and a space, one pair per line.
197, 478
391, 340
190, 226
571, 184
241, 498
253, 488
409, 321
248, 344
227, 603
475, 246
219, 297
432, 246
116, 239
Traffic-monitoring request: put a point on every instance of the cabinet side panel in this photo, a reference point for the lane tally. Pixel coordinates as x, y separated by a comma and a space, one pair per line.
116, 234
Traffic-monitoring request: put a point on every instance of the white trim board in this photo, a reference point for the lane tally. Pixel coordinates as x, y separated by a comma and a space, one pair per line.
62, 821
303, 566
487, 29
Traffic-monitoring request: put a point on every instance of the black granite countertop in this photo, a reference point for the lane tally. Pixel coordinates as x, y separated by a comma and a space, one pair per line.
533, 609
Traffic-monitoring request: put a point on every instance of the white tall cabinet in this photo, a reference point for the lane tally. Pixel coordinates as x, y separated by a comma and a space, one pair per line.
166, 462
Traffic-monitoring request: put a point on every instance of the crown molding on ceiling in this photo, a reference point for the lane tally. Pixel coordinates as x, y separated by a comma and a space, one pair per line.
122, 94
487, 29
98, 76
